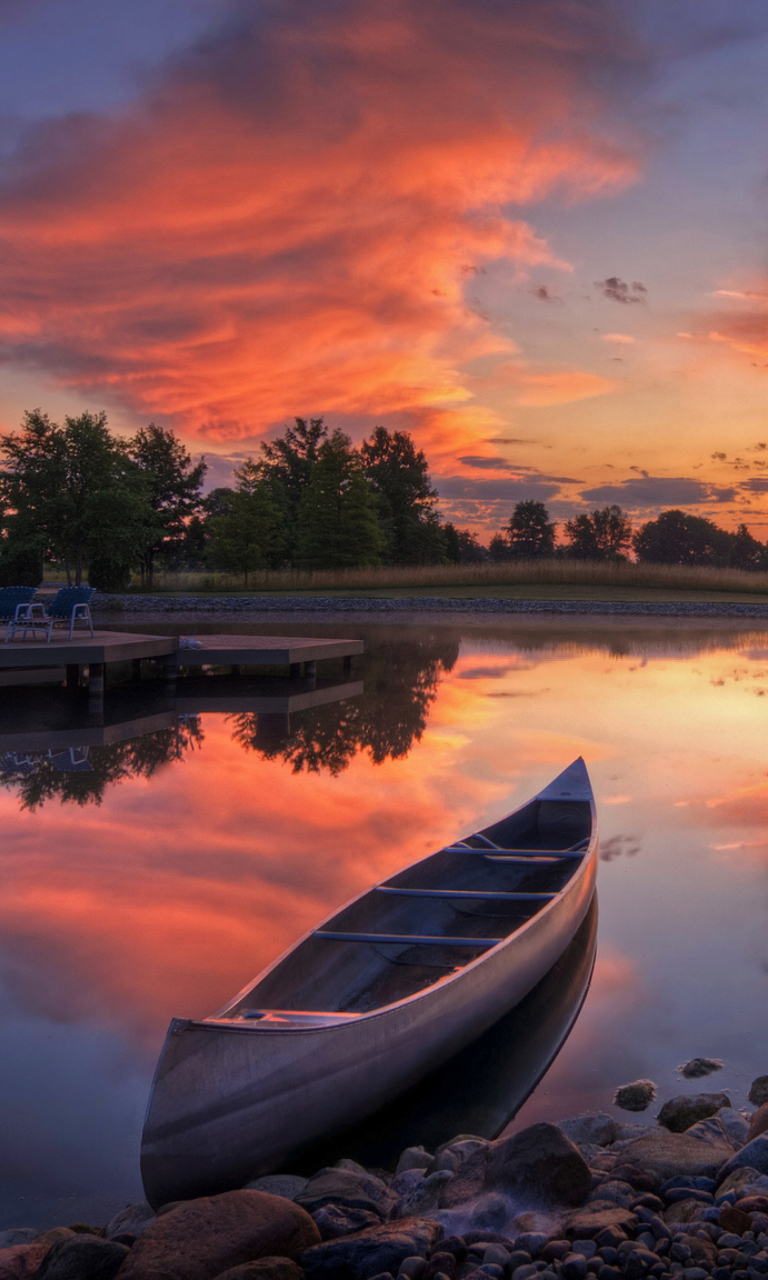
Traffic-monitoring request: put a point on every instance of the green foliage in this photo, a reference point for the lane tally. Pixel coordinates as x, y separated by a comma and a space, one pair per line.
746, 551
461, 546
250, 533
603, 535
400, 479
338, 526
173, 490
529, 534
677, 538
287, 464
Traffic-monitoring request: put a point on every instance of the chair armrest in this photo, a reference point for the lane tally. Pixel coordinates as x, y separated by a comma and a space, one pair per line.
26, 611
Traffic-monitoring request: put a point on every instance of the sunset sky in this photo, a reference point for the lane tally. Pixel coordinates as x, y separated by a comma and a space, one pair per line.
531, 232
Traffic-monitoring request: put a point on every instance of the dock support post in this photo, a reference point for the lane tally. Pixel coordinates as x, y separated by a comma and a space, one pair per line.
73, 675
294, 670
169, 671
310, 672
347, 664
96, 672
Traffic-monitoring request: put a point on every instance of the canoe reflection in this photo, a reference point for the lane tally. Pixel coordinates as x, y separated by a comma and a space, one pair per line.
483, 1087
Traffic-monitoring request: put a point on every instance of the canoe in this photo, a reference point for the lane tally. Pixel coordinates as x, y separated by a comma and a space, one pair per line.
376, 996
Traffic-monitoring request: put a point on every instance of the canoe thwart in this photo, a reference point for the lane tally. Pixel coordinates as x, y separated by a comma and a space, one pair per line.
493, 895
413, 940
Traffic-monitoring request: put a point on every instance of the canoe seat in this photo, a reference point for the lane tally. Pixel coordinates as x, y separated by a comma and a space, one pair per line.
413, 940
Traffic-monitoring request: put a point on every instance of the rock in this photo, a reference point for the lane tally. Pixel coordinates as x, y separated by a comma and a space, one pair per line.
588, 1223
349, 1188
678, 1114
335, 1220
739, 1180
634, 1175
54, 1235
413, 1268
264, 1269
636, 1096
414, 1158
615, 1191
753, 1155
17, 1235
21, 1261
753, 1204
367, 1253
82, 1258
735, 1220
201, 1238
404, 1182
662, 1154
684, 1210
734, 1124
131, 1220
442, 1263
698, 1067
600, 1130
628, 1132
538, 1166
714, 1132
289, 1185
758, 1091
447, 1160
759, 1123
424, 1197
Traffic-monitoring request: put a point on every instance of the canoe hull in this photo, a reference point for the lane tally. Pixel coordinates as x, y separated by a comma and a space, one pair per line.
232, 1101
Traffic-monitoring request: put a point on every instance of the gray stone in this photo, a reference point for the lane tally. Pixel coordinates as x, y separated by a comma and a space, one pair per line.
615, 1191
735, 1125
84, 1257
349, 1188
201, 1238
599, 1130
289, 1185
742, 1182
404, 1182
628, 1132
538, 1166
753, 1155
636, 1096
586, 1223
335, 1220
423, 1198
367, 1253
698, 1067
713, 1131
678, 1114
663, 1155
133, 1219
17, 1235
758, 1091
414, 1158
350, 1166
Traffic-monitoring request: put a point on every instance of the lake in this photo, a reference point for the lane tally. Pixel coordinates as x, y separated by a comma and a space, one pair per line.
151, 866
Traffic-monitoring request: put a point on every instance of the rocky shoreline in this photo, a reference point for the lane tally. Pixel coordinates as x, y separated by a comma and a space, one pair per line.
683, 1199
111, 606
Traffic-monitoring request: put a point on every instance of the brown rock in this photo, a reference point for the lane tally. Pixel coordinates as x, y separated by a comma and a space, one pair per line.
368, 1253
758, 1091
753, 1204
584, 1224
759, 1123
680, 1113
539, 1166
636, 1096
663, 1155
203, 1237
682, 1211
264, 1269
21, 1261
735, 1220
701, 1250
54, 1235
738, 1180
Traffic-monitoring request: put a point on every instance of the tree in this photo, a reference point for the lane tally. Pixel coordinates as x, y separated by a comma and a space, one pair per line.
338, 526
287, 464
173, 486
462, 547
746, 551
73, 496
677, 538
499, 549
530, 534
249, 534
603, 535
400, 479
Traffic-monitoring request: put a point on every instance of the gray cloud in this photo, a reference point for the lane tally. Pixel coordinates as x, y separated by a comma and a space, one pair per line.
759, 484
659, 491
538, 488
617, 289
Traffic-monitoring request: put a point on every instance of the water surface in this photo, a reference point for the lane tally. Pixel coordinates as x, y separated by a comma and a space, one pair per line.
155, 872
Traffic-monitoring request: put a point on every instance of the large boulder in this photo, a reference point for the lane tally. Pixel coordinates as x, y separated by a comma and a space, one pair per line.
84, 1257
201, 1238
369, 1253
742, 1181
636, 1096
664, 1155
758, 1091
754, 1155
713, 1131
21, 1261
600, 1130
348, 1188
539, 1166
131, 1220
678, 1114
289, 1185
759, 1123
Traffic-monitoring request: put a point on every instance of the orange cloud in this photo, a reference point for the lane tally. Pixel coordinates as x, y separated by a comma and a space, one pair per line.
289, 219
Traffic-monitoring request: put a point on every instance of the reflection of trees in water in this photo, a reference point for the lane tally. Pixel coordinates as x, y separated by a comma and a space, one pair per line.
400, 684
81, 777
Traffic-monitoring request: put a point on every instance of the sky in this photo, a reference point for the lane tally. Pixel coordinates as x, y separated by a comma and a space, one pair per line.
530, 232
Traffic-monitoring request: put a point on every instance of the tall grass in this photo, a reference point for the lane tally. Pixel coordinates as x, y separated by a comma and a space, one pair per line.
482, 576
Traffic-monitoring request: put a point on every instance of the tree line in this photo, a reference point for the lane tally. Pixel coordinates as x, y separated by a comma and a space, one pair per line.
91, 503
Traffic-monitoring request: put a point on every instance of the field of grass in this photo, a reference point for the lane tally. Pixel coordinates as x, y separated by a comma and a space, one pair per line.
535, 579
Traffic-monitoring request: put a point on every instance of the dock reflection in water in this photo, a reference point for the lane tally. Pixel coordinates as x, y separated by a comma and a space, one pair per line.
481, 1089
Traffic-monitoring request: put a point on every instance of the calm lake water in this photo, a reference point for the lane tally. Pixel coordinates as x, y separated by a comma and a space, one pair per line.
154, 875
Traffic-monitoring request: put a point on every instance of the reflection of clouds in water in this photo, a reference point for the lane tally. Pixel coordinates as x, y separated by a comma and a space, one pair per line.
619, 847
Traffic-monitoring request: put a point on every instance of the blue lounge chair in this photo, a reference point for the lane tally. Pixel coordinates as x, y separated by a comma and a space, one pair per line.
14, 602
69, 605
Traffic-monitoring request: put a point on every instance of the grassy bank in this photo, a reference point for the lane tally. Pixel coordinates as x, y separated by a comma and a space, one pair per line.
540, 579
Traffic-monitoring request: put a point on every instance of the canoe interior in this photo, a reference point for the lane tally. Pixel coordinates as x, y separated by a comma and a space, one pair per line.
337, 977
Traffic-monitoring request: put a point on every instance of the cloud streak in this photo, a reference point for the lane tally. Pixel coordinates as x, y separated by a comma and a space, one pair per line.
289, 218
